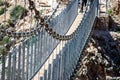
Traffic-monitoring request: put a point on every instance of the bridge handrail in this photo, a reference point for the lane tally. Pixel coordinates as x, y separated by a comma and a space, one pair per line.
13, 55
72, 50
30, 65
79, 32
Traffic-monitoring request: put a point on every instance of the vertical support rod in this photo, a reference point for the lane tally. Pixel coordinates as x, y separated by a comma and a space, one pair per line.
3, 68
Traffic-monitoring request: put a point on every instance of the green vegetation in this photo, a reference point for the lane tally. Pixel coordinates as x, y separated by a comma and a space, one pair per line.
10, 23
1, 37
18, 12
2, 11
7, 4
110, 12
1, 3
5, 40
1, 51
41, 11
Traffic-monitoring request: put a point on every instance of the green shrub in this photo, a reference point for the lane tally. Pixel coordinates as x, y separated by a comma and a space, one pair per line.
5, 40
7, 4
10, 23
17, 12
1, 3
110, 11
4, 3
2, 11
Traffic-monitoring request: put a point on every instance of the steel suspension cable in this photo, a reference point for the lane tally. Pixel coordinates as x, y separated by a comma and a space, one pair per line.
43, 25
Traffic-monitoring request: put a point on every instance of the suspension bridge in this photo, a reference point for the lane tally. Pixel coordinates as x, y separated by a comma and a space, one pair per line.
51, 49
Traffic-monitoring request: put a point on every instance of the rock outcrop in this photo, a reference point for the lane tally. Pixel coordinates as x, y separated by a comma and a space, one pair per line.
101, 56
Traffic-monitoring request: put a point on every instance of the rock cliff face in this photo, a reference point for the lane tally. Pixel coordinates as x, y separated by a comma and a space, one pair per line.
101, 56
115, 5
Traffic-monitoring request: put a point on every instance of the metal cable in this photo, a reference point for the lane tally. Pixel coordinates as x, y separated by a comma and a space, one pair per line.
43, 24
37, 16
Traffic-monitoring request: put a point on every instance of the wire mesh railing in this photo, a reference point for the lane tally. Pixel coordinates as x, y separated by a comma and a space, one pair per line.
64, 62
36, 57
73, 48
66, 18
21, 61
